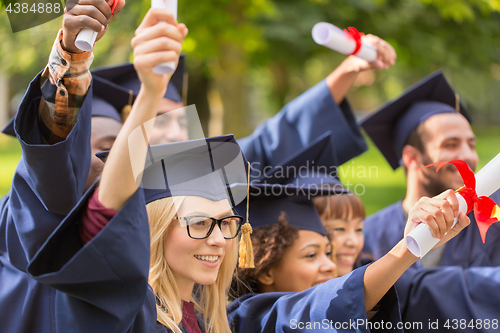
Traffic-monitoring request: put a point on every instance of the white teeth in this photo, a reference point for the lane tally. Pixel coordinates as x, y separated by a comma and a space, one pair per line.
210, 259
346, 258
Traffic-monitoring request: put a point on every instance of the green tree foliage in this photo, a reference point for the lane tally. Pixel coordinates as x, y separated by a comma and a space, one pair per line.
258, 54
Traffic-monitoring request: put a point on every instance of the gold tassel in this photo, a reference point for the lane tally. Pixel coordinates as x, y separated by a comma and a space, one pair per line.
127, 108
246, 249
457, 102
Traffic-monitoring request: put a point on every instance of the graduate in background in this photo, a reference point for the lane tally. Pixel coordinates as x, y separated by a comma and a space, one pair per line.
292, 284
427, 124
421, 127
343, 218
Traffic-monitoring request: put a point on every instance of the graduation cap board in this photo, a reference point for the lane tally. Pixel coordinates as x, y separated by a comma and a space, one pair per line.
290, 186
203, 168
126, 77
391, 125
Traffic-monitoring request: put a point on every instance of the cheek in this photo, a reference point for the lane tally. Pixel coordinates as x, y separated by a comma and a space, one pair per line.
361, 241
177, 247
184, 135
96, 165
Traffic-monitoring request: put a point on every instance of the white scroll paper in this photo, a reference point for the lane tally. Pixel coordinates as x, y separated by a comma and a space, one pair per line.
420, 241
171, 5
85, 39
334, 38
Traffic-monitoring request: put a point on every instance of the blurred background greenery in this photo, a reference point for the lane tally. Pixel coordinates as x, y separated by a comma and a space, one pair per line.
247, 58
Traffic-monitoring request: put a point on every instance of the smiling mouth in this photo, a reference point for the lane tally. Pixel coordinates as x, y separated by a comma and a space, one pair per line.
210, 259
346, 258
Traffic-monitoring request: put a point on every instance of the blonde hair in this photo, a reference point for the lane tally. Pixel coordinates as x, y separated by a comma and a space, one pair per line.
210, 300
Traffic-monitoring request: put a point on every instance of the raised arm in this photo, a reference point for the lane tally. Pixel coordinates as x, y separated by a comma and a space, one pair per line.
157, 40
438, 213
342, 78
53, 128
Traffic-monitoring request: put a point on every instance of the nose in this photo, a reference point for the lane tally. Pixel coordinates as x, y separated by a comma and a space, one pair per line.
351, 239
469, 155
216, 238
328, 266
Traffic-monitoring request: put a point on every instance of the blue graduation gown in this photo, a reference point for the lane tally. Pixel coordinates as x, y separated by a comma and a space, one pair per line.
461, 287
334, 306
298, 124
451, 295
102, 286
48, 182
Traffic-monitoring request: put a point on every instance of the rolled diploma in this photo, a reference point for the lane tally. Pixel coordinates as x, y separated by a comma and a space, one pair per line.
171, 5
328, 35
420, 241
85, 39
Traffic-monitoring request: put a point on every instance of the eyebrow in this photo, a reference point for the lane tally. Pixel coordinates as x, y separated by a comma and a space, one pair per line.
454, 138
197, 213
309, 245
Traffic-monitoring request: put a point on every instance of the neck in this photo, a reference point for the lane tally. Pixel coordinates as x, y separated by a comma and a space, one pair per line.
186, 290
414, 191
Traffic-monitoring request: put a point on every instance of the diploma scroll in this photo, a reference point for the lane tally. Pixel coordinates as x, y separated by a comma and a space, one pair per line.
171, 5
334, 38
420, 241
85, 39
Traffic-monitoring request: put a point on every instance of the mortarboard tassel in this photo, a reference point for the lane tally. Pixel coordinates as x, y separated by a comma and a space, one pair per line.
127, 108
457, 102
246, 249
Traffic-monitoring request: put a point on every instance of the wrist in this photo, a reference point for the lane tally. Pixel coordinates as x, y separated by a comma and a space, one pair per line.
402, 252
350, 66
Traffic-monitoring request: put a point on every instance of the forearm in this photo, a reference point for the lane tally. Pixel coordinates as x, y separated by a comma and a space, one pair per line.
64, 85
382, 274
341, 79
119, 182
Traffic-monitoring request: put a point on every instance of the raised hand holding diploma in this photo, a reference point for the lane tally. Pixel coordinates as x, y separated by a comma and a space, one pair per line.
347, 42
82, 21
171, 5
472, 196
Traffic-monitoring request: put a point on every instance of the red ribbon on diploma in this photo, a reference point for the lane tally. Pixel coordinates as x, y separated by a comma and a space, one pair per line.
115, 2
356, 35
486, 211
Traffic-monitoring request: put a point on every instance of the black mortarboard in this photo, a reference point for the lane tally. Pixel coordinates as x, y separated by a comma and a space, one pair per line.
290, 186
125, 76
203, 167
391, 125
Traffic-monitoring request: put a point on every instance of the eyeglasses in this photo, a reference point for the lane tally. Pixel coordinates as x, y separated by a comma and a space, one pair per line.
200, 227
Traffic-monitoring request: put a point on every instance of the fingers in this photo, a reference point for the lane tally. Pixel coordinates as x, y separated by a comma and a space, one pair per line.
86, 14
155, 15
437, 213
162, 29
151, 60
451, 197
157, 45
386, 55
118, 6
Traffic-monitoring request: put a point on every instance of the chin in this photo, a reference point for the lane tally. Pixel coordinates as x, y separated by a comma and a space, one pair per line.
206, 281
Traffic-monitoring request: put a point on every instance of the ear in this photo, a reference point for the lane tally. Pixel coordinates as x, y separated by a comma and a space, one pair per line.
412, 157
266, 278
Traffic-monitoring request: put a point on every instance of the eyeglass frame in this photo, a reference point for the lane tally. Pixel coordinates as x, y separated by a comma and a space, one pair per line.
214, 222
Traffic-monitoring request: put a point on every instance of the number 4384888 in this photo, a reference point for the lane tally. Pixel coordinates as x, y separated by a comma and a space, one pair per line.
40, 8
